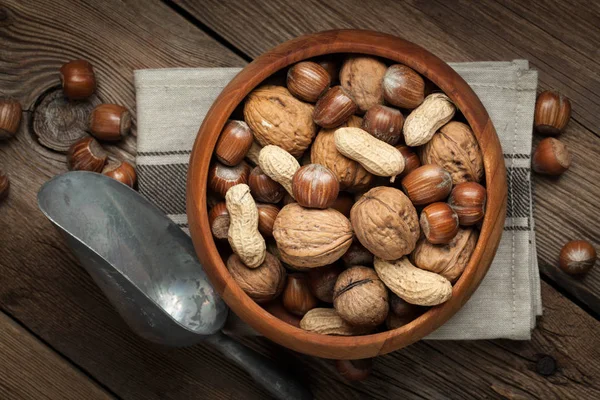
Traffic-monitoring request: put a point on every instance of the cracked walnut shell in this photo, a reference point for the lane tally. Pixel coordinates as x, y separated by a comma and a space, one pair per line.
276, 117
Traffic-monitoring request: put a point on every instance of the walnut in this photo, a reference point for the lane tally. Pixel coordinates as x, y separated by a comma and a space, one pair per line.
362, 77
385, 222
311, 237
351, 175
360, 298
263, 283
448, 260
276, 117
455, 149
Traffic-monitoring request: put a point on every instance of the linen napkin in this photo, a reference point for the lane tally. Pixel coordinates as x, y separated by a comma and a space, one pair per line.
171, 104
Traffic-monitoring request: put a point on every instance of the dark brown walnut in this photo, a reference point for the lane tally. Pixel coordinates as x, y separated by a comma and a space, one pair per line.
218, 219
385, 123
322, 281
86, 155
455, 149
307, 81
309, 237
263, 188
234, 142
447, 260
385, 222
263, 283
297, 297
4, 185
10, 118
411, 160
403, 87
362, 77
360, 297
334, 108
222, 177
276, 117
267, 213
121, 171
552, 113
315, 186
357, 254
351, 175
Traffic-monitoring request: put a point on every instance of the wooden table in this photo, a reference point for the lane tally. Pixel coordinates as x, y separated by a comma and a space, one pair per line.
61, 339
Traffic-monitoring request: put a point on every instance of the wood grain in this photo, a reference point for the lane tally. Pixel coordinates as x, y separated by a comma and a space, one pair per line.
32, 370
462, 31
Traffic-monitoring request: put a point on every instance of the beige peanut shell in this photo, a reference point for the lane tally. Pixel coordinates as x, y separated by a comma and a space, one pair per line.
243, 235
412, 284
326, 321
422, 123
376, 156
279, 165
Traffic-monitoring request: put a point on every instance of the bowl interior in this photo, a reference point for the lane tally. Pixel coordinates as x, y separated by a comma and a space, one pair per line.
395, 50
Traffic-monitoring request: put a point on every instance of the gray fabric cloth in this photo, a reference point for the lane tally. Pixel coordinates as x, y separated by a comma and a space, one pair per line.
171, 104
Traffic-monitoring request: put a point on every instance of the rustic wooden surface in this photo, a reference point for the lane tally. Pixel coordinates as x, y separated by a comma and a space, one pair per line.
64, 325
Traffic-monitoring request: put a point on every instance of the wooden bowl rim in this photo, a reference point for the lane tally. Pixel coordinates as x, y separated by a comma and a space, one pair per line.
309, 46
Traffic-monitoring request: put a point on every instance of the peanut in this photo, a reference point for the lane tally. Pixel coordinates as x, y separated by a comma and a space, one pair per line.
425, 120
253, 153
278, 165
376, 156
326, 321
243, 235
412, 284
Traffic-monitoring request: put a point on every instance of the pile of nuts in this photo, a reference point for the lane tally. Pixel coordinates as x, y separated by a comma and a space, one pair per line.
333, 199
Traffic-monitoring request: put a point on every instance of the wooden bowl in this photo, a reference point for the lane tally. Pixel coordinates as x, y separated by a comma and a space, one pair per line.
282, 56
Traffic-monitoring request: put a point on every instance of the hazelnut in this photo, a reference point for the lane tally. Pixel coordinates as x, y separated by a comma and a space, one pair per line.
121, 171
343, 203
222, 177
577, 257
315, 186
385, 222
307, 81
552, 113
297, 297
411, 160
234, 143
288, 199
309, 237
403, 87
86, 154
427, 184
10, 118
266, 218
334, 108
322, 280
448, 260
110, 122
455, 149
78, 79
402, 308
385, 123
354, 370
263, 188
468, 201
351, 175
276, 117
331, 65
362, 77
276, 309
439, 223
263, 283
551, 157
360, 298
218, 219
357, 254
4, 185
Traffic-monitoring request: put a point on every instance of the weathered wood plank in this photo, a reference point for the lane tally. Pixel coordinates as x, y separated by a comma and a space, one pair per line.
466, 31
32, 370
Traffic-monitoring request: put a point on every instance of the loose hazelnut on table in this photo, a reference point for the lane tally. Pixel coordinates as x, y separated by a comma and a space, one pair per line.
297, 297
222, 177
110, 122
86, 155
577, 257
551, 157
263, 188
234, 143
263, 283
307, 81
427, 184
315, 186
10, 118
362, 77
334, 107
468, 201
385, 123
121, 171
322, 281
403, 87
78, 79
439, 223
552, 113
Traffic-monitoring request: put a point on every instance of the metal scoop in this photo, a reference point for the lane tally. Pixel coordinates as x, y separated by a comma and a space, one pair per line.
147, 267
